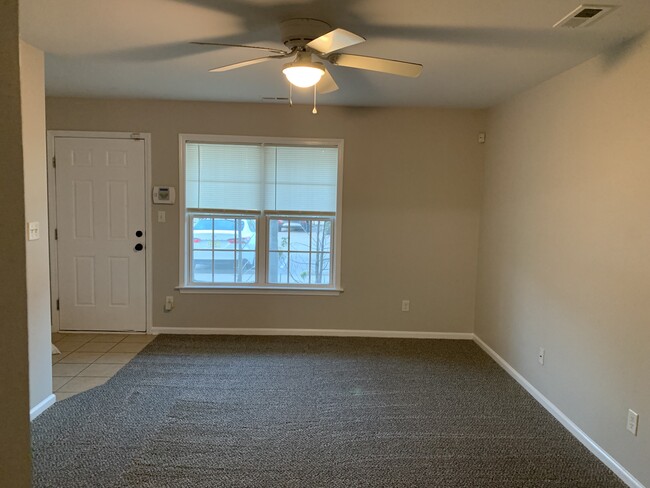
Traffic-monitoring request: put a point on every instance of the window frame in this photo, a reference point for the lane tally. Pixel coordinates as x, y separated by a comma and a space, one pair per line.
262, 249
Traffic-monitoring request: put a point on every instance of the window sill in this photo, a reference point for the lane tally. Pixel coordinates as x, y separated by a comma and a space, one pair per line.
267, 290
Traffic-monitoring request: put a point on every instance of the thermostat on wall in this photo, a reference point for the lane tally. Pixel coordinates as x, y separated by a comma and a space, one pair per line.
164, 195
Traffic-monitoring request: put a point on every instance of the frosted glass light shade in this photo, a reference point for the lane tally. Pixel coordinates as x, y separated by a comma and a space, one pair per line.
303, 76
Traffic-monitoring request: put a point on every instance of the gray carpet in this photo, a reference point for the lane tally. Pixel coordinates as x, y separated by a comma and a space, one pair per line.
197, 412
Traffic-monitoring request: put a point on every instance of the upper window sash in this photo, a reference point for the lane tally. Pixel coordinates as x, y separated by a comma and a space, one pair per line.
258, 177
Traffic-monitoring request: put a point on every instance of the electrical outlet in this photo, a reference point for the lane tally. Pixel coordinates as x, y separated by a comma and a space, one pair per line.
406, 305
540, 356
169, 304
632, 421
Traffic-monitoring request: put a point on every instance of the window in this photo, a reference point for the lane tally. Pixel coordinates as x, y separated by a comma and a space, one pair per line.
260, 213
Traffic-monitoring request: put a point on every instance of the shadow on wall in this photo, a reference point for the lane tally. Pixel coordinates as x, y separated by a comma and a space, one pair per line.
619, 53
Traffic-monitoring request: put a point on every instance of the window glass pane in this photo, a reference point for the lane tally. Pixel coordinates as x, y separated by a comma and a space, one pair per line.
224, 259
298, 239
278, 235
201, 233
246, 236
308, 242
245, 267
295, 224
278, 267
224, 266
321, 232
223, 249
320, 269
246, 246
202, 266
224, 234
225, 224
299, 267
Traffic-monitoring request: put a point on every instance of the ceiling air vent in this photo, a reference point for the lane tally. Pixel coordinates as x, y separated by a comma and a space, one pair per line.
275, 99
585, 15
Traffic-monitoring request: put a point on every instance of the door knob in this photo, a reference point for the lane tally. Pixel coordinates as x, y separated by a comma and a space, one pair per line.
138, 233
139, 247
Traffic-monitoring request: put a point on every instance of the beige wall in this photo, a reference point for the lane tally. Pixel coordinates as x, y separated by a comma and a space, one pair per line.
32, 80
410, 210
15, 466
564, 259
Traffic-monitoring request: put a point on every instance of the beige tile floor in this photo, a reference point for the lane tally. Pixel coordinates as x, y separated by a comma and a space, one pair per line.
89, 360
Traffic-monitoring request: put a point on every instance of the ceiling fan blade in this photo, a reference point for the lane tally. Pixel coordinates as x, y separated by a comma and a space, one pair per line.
241, 64
326, 84
334, 40
401, 68
220, 44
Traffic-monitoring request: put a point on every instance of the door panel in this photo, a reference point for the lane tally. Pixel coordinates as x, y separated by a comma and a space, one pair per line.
100, 198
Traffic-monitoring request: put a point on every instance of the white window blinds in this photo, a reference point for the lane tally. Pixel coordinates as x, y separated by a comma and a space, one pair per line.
261, 177
223, 176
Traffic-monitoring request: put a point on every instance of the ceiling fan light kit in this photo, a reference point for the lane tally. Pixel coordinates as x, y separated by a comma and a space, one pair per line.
307, 37
303, 73
303, 76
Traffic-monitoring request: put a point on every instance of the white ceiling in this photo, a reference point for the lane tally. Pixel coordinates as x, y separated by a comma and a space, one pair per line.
475, 52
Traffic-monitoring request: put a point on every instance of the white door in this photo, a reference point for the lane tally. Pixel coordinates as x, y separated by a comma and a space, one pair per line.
100, 221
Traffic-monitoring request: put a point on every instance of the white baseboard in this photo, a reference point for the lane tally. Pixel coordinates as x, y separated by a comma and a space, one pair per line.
578, 433
41, 407
313, 332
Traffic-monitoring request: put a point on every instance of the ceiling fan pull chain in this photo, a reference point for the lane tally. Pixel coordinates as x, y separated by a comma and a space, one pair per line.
314, 111
290, 95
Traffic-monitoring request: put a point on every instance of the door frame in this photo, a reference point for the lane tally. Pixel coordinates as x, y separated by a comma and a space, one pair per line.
51, 197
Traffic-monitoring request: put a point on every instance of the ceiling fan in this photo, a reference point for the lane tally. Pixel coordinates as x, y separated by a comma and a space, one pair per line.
308, 38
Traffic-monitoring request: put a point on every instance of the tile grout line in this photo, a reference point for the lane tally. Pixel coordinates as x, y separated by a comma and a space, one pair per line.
87, 365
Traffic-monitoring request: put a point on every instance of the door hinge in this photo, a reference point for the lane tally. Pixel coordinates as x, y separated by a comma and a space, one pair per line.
56, 234
54, 161
57, 304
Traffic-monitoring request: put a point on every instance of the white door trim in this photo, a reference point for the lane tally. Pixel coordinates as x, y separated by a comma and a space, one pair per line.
51, 195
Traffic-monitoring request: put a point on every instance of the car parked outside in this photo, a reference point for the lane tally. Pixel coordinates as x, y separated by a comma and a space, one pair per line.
299, 225
221, 235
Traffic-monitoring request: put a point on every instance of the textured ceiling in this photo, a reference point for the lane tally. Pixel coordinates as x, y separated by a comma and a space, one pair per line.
475, 52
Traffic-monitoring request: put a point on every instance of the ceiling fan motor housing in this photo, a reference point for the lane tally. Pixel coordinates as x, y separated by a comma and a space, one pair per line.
296, 33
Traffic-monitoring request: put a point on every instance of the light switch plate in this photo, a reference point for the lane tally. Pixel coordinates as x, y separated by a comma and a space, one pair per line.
632, 421
33, 231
